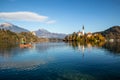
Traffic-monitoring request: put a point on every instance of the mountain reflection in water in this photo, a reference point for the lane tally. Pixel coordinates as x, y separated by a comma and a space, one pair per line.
113, 47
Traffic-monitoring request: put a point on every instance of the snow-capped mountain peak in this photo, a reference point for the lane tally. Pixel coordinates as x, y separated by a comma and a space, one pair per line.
11, 27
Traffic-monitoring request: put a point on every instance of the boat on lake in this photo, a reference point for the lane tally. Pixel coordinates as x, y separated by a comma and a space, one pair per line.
26, 45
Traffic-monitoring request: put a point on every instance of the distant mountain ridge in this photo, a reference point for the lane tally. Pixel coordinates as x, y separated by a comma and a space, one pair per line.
13, 28
111, 33
46, 34
42, 33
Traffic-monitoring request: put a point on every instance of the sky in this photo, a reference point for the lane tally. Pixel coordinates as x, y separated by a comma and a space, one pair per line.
61, 16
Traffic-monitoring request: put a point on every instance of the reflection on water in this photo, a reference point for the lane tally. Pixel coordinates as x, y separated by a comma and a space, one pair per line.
113, 47
6, 49
43, 47
60, 61
25, 58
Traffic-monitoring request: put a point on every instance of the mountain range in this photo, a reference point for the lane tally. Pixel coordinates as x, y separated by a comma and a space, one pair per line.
46, 34
42, 33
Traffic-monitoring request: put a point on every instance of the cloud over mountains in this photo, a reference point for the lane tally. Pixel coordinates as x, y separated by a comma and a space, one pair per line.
25, 16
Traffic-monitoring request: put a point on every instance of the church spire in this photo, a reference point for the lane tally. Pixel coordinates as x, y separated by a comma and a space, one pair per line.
83, 29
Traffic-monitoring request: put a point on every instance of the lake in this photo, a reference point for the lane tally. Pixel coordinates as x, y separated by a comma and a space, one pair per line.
61, 61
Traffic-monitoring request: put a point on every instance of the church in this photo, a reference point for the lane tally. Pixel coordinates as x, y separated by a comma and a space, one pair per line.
81, 33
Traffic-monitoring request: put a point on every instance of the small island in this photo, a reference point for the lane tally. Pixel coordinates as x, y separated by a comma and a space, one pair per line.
85, 37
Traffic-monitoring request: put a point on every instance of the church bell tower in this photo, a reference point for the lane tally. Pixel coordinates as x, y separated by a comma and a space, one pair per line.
83, 30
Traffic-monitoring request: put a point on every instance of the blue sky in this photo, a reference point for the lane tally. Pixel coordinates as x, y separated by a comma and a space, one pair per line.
61, 16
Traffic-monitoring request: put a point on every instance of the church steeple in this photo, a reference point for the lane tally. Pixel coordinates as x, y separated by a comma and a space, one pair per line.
83, 29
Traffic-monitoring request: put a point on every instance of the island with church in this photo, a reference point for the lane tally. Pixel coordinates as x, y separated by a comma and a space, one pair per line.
81, 36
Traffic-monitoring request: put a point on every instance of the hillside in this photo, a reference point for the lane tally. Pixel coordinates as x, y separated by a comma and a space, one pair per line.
111, 33
12, 27
8, 37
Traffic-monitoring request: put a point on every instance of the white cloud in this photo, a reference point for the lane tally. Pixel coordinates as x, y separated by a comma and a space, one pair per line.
24, 16
51, 22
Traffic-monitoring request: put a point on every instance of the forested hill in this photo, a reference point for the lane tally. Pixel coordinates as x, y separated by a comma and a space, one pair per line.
6, 36
111, 33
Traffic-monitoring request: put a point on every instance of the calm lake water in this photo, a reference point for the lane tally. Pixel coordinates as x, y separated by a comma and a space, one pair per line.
61, 61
